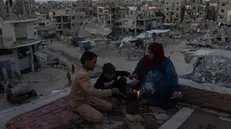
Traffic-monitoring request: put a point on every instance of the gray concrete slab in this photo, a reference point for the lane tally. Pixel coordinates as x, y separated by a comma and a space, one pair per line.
178, 119
204, 120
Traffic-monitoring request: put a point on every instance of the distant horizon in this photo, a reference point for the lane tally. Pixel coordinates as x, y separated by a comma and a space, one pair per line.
49, 0
53, 0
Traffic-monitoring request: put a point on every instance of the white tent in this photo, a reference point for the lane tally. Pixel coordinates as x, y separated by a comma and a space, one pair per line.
143, 35
149, 33
126, 40
158, 31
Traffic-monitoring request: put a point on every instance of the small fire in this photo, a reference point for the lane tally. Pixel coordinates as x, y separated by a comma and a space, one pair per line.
138, 92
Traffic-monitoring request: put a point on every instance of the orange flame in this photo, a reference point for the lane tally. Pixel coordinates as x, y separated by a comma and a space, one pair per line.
138, 92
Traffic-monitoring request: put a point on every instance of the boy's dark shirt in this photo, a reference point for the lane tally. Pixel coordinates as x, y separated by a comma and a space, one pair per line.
102, 79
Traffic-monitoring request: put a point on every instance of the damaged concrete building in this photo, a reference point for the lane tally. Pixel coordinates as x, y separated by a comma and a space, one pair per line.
46, 28
173, 11
84, 2
218, 38
224, 12
19, 42
67, 21
211, 9
137, 20
195, 11
104, 15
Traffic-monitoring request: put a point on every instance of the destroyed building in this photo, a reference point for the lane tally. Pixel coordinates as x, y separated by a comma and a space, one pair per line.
19, 42
218, 38
104, 15
211, 9
77, 20
23, 7
137, 20
84, 2
173, 11
67, 21
46, 29
195, 11
224, 11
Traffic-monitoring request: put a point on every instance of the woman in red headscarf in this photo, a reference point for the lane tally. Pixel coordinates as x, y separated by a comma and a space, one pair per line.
158, 81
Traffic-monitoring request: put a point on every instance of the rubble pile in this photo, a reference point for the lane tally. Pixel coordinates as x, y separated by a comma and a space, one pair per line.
200, 43
21, 95
56, 63
135, 54
213, 69
218, 38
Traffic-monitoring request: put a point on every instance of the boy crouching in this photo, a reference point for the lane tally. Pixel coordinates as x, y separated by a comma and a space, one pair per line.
85, 99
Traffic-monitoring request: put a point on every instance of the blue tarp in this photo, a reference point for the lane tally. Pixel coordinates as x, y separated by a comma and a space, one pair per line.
85, 44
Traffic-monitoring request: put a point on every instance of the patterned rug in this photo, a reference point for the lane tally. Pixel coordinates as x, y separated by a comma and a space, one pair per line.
51, 116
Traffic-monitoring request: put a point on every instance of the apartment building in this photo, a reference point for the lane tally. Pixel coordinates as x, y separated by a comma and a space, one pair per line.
224, 10
195, 11
173, 11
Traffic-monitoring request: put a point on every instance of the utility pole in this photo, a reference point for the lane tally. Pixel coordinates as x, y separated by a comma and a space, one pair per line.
145, 36
136, 22
122, 30
24, 8
9, 5
29, 7
145, 33
2, 11
122, 26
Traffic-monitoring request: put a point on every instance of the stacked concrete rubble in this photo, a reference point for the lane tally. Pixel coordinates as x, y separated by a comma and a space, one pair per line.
218, 38
213, 69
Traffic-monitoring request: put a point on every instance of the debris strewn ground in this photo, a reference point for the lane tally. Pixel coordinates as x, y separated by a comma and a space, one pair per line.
44, 82
212, 69
210, 66
110, 53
